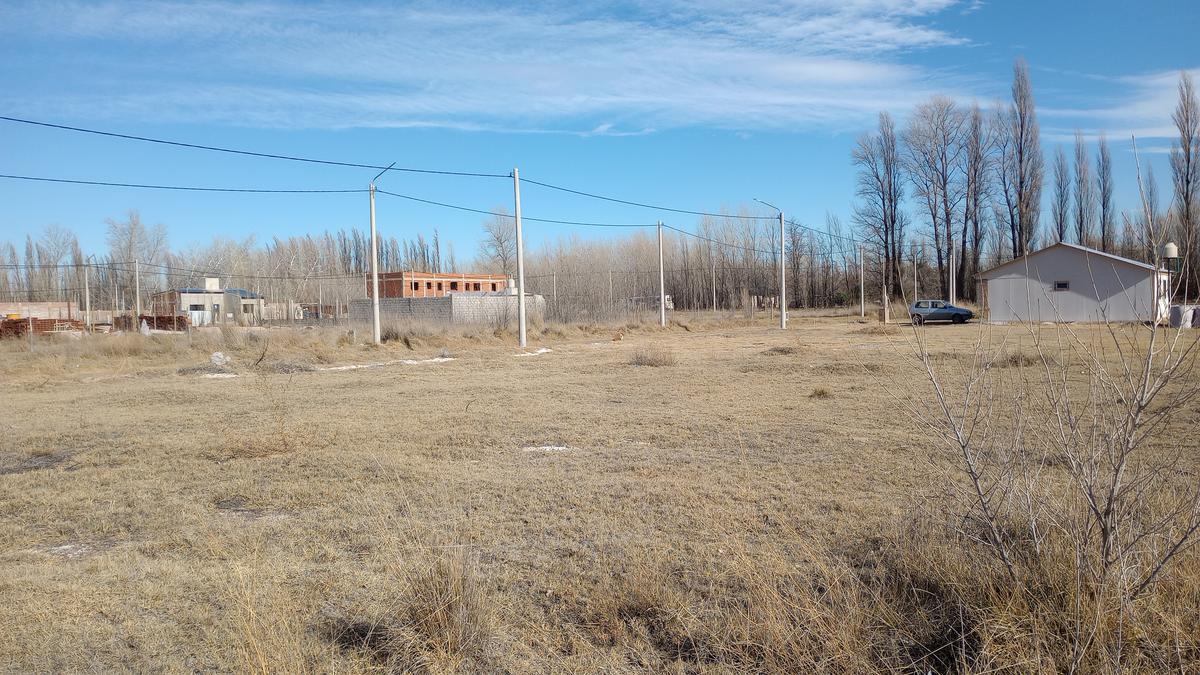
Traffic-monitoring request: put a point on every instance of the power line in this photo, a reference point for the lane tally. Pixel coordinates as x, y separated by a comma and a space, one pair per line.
643, 205
505, 215
186, 188
232, 151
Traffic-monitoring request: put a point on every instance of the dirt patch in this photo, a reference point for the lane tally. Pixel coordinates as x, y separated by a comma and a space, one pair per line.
781, 351
49, 460
287, 367
204, 369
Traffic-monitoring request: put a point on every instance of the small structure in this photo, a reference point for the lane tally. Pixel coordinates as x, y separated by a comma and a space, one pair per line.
410, 284
1071, 283
210, 305
51, 309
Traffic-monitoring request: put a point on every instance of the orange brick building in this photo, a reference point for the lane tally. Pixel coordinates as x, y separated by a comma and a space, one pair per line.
435, 284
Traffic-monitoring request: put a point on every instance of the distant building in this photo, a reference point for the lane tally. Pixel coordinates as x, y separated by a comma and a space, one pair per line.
409, 284
210, 305
53, 309
1066, 282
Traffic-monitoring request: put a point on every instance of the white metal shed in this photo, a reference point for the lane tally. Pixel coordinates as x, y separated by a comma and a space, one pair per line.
1067, 282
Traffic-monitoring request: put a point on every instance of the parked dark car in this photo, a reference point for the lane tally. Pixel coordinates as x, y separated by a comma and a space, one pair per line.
938, 310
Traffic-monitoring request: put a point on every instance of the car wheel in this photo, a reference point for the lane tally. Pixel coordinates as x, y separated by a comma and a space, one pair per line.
917, 319
959, 318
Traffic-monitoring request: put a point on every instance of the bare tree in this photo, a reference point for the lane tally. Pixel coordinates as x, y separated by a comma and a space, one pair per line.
1185, 174
1061, 207
977, 160
1021, 165
1104, 185
499, 246
933, 147
880, 191
1085, 194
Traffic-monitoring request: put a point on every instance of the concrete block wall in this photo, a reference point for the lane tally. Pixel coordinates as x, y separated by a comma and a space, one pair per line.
461, 308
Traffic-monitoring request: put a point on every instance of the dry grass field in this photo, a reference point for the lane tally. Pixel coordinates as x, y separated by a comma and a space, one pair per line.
719, 496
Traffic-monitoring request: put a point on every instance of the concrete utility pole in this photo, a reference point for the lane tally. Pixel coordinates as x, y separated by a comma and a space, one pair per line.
662, 281
782, 272
953, 288
862, 285
521, 335
714, 285
914, 247
137, 293
87, 298
375, 333
782, 277
610, 292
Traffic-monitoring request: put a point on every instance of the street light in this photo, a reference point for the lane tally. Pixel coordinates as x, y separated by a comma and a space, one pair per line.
782, 280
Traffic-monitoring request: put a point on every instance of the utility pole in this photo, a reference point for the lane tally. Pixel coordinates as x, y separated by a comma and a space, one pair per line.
862, 285
782, 278
375, 333
782, 273
554, 289
610, 293
87, 299
714, 285
521, 335
953, 288
137, 293
914, 257
662, 281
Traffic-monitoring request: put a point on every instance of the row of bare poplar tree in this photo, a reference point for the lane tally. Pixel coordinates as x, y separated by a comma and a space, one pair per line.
956, 181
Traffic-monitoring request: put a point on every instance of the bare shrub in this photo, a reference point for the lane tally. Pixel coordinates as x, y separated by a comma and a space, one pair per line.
821, 392
652, 356
1065, 480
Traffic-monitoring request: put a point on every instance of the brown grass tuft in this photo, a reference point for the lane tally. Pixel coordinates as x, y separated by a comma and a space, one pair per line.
652, 356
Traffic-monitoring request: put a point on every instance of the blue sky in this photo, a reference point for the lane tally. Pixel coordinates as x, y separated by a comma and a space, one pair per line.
700, 105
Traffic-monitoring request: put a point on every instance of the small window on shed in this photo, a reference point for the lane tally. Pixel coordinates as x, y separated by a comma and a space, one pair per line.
1062, 285
195, 308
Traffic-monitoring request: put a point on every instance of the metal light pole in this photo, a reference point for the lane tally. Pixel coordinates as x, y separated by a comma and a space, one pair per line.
521, 334
662, 281
862, 285
782, 272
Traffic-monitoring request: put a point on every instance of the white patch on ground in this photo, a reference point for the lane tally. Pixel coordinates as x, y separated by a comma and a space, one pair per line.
547, 448
219, 376
381, 364
543, 350
70, 550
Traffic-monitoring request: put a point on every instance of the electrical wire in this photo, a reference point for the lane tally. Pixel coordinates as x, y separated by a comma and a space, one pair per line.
232, 151
186, 188
509, 216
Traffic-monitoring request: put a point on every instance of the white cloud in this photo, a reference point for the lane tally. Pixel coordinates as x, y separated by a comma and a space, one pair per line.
1139, 105
548, 66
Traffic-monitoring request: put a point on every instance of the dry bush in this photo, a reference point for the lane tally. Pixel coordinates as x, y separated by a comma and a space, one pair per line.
440, 619
1072, 512
652, 356
821, 393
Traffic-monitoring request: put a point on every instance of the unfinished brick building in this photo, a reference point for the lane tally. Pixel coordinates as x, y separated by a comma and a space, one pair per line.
411, 284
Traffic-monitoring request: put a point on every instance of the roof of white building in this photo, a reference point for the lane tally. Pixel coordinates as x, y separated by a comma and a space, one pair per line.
1085, 249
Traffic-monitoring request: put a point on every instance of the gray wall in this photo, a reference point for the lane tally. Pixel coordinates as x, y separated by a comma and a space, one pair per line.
467, 309
1100, 289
